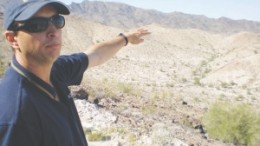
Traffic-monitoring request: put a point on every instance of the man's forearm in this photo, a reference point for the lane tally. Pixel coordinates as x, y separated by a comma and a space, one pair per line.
101, 52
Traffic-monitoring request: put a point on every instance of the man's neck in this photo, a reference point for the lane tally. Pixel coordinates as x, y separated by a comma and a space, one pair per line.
42, 71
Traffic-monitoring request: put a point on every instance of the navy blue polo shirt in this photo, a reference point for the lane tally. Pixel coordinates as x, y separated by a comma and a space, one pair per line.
29, 117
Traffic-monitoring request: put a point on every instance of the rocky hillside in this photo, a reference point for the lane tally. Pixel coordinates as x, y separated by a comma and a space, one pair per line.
176, 55
174, 71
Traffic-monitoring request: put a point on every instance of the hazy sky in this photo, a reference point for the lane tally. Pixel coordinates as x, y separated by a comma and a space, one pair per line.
234, 9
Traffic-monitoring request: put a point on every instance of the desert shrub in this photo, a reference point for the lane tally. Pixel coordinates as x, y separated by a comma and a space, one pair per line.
203, 63
95, 137
131, 138
148, 108
196, 81
236, 123
111, 88
161, 135
2, 67
224, 84
128, 88
2, 70
161, 94
125, 88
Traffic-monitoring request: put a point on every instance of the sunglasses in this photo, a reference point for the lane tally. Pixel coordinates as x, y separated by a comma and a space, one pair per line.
40, 24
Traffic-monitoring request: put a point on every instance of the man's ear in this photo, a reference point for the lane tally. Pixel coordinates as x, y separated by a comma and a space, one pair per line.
11, 38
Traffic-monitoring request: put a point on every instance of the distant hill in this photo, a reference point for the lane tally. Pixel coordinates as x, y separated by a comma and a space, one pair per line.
125, 16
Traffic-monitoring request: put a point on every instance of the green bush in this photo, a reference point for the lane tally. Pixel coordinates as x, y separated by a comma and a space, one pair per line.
2, 67
95, 136
125, 88
2, 70
128, 88
236, 123
196, 81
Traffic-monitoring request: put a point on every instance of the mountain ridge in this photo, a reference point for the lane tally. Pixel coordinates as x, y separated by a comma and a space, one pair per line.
126, 16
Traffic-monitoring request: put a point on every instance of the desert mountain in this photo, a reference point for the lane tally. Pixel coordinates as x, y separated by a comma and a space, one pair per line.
125, 16
185, 54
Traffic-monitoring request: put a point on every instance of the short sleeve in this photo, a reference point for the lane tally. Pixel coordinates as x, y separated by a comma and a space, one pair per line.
70, 68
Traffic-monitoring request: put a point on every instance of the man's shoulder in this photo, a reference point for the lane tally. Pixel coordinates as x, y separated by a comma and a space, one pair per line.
10, 99
9, 106
72, 57
67, 62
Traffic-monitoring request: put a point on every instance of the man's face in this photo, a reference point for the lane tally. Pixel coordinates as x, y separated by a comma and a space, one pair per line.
40, 47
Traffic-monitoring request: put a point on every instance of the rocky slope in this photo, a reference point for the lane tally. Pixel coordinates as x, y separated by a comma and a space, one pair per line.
170, 81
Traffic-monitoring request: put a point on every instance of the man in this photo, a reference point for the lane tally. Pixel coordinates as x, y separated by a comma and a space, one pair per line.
36, 109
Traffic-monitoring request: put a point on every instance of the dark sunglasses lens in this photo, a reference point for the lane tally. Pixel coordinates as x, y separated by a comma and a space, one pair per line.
36, 25
41, 24
58, 21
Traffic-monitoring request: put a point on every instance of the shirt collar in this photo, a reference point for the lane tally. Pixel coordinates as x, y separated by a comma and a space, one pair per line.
33, 77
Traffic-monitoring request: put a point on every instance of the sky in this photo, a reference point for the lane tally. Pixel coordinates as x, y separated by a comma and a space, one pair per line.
234, 9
